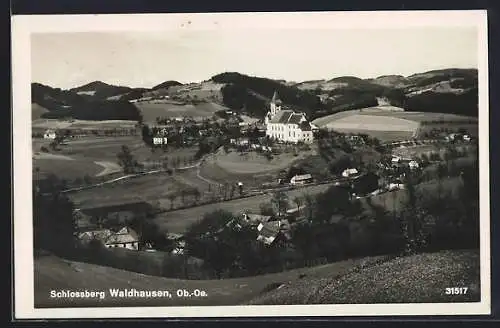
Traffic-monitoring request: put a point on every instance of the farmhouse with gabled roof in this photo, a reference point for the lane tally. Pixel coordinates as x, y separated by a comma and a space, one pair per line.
286, 124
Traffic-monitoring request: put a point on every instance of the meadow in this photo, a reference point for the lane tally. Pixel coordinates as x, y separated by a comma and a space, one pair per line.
52, 273
151, 110
97, 156
390, 125
420, 278
179, 220
148, 188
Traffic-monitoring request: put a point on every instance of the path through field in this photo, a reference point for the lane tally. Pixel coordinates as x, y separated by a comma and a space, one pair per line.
109, 168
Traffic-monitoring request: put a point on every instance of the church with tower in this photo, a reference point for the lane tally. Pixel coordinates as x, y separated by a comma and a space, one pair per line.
286, 125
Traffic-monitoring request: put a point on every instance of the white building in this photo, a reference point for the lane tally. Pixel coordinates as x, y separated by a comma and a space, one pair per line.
124, 238
49, 134
301, 179
349, 172
287, 125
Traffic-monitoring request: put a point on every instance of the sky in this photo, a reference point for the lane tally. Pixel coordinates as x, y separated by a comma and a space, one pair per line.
145, 59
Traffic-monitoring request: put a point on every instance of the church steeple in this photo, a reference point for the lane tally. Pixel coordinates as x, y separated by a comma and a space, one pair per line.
275, 103
276, 98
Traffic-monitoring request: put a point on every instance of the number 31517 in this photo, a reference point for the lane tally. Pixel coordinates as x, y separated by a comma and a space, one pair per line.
456, 291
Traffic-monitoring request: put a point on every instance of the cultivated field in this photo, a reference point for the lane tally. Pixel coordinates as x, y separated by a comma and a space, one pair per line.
66, 169
144, 188
254, 163
81, 124
178, 221
392, 125
52, 273
152, 110
249, 168
101, 153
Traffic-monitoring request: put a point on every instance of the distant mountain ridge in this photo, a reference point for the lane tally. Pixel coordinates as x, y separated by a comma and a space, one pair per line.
452, 90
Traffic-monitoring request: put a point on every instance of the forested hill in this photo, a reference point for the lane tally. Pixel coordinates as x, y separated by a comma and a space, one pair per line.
452, 91
59, 103
251, 94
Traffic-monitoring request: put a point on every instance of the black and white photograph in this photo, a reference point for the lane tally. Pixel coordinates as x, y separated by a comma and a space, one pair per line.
251, 164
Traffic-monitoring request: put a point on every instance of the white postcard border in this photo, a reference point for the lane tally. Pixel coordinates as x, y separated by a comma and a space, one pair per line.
23, 26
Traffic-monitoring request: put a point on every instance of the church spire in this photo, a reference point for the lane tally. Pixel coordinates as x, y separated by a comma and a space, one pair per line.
276, 99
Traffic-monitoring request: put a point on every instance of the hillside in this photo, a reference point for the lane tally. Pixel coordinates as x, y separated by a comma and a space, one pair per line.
53, 273
416, 279
166, 85
62, 104
100, 90
449, 91
247, 93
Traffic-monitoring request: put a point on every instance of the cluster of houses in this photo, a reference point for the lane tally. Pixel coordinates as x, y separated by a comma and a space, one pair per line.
109, 225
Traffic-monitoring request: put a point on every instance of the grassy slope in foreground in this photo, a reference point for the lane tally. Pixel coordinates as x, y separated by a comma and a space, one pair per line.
416, 279
52, 273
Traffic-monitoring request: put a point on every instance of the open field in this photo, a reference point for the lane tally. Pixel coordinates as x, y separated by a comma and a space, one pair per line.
66, 169
52, 273
144, 188
250, 168
105, 149
253, 163
422, 278
419, 150
395, 200
152, 110
81, 124
389, 125
178, 221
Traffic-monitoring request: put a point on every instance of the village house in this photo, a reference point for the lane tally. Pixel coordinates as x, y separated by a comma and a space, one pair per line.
268, 232
301, 179
287, 125
124, 238
349, 172
49, 134
255, 219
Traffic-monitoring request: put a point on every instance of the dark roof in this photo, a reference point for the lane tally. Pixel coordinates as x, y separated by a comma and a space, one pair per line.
295, 118
270, 229
288, 116
282, 116
305, 126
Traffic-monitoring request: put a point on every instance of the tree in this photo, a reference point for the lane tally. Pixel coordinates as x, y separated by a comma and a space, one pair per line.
54, 223
184, 193
197, 195
298, 201
335, 200
233, 189
309, 204
172, 198
280, 202
266, 209
126, 160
